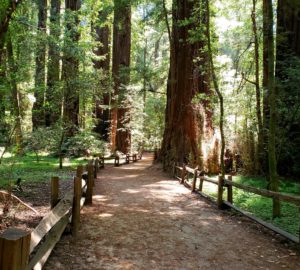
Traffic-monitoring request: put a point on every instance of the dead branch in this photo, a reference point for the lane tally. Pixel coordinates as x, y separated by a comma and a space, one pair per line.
12, 196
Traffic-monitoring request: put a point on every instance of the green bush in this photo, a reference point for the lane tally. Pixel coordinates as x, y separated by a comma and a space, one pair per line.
84, 143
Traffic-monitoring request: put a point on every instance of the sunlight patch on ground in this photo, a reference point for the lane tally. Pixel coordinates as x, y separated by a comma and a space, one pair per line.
100, 198
124, 177
105, 215
131, 191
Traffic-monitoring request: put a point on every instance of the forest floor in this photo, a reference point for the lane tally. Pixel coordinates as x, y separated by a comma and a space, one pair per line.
143, 219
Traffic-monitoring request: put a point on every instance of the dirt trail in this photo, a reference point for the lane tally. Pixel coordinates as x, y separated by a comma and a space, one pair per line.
143, 219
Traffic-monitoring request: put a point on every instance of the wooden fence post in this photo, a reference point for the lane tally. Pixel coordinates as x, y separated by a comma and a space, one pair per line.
96, 168
79, 171
89, 190
54, 191
117, 161
134, 158
127, 158
220, 192
201, 182
15, 246
194, 180
183, 174
229, 191
174, 170
76, 205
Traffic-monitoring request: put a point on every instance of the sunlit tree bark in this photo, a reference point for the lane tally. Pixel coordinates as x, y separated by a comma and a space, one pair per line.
120, 133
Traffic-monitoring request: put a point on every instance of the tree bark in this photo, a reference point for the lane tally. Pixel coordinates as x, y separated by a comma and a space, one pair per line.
53, 96
260, 149
70, 70
274, 181
287, 79
102, 114
2, 91
183, 118
120, 114
38, 115
217, 89
266, 109
15, 96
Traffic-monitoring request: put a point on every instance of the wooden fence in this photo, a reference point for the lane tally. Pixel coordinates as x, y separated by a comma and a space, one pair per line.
21, 250
24, 250
183, 174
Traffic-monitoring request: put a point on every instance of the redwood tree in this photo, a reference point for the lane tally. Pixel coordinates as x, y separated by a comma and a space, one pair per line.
40, 68
288, 80
183, 117
269, 50
53, 97
71, 67
120, 133
102, 35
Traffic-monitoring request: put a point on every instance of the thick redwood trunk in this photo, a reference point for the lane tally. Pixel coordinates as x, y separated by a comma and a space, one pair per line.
287, 78
38, 117
120, 133
70, 71
183, 117
53, 95
266, 109
102, 121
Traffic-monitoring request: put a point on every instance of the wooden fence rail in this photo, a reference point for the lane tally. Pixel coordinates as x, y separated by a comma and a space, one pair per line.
22, 250
183, 173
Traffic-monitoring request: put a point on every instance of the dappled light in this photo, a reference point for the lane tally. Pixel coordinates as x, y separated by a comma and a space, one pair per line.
150, 134
150, 220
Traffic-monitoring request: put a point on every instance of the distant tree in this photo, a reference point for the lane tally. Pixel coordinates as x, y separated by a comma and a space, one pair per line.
53, 96
120, 133
38, 115
15, 95
70, 67
102, 31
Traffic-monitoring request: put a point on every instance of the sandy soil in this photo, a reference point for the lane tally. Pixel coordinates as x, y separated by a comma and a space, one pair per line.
143, 219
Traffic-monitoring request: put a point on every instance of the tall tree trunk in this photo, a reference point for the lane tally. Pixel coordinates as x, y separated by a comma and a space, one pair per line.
102, 35
38, 116
2, 89
274, 181
206, 73
53, 96
120, 133
266, 109
260, 153
287, 82
180, 141
217, 89
15, 96
71, 69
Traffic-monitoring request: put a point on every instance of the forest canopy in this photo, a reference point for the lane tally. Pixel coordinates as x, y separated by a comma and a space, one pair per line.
213, 84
